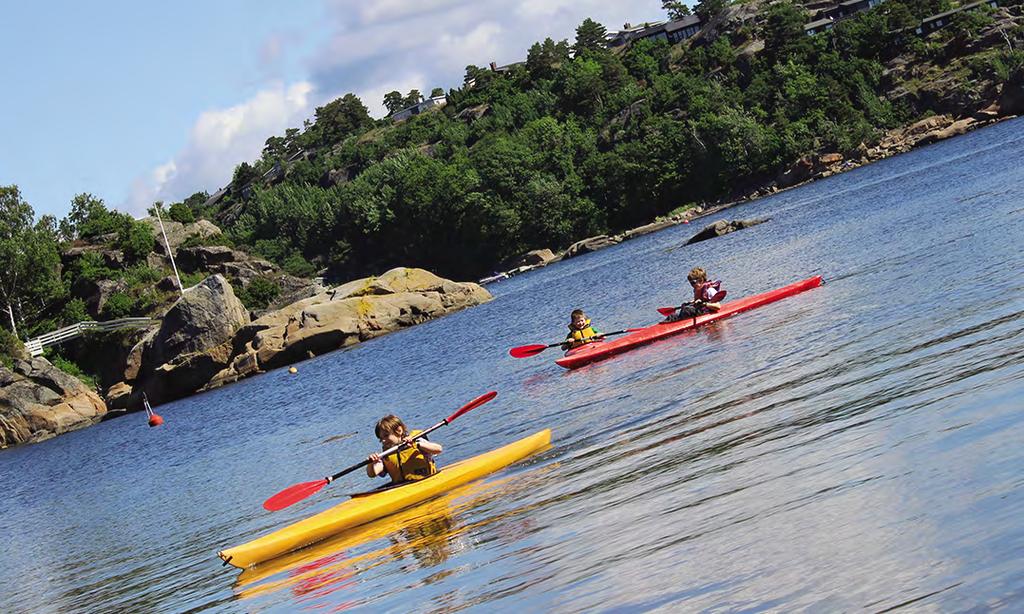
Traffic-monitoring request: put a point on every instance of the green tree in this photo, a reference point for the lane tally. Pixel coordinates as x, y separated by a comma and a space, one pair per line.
590, 36
29, 276
414, 97
675, 9
437, 92
706, 9
340, 118
196, 202
259, 293
394, 102
118, 305
180, 212
544, 59
136, 240
244, 175
784, 33
474, 75
88, 218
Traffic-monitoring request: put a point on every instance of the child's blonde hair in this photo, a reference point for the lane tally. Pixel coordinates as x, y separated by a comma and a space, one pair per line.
390, 424
698, 275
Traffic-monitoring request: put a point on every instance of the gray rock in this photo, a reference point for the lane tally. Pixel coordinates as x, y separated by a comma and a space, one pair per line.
537, 257
203, 257
334, 177
590, 244
722, 227
193, 344
208, 315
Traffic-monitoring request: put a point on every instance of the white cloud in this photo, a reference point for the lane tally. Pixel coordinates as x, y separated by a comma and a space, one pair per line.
481, 42
394, 10
219, 141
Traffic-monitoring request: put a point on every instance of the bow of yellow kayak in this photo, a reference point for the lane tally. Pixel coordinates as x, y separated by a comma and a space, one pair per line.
362, 510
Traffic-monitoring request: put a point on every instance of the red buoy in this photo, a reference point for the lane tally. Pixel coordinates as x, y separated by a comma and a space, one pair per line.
154, 418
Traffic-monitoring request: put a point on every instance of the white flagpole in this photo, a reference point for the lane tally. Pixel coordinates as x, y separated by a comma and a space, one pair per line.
169, 253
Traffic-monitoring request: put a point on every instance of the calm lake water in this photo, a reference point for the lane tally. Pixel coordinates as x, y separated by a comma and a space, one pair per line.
856, 447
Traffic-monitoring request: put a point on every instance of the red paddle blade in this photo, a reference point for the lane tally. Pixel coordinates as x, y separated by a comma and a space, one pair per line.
293, 494
719, 296
525, 351
477, 402
667, 311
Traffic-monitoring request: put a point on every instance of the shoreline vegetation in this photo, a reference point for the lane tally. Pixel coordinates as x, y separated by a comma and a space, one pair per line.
580, 146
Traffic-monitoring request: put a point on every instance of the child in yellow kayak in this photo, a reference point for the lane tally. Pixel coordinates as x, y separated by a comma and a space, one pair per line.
581, 331
706, 296
412, 463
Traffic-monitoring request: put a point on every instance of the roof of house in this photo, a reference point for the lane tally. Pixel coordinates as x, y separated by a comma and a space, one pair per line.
965, 7
685, 22
818, 23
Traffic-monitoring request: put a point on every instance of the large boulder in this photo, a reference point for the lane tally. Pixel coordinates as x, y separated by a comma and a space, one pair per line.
722, 227
206, 316
202, 257
39, 401
193, 343
178, 233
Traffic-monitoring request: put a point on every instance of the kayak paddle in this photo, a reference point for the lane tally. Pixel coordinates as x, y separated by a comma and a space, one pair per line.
525, 351
298, 492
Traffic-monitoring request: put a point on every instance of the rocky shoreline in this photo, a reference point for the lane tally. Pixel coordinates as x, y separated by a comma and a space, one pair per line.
207, 339
1008, 105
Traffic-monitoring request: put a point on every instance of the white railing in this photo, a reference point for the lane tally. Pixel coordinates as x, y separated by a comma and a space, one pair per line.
35, 346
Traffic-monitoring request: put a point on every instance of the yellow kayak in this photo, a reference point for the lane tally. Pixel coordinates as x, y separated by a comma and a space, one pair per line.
364, 509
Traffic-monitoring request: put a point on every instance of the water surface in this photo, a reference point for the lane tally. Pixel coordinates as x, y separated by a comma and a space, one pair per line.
856, 447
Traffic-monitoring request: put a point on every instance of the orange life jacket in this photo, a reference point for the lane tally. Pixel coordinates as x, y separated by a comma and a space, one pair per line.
410, 464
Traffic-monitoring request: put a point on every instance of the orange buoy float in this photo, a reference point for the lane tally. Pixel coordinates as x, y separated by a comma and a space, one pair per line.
154, 418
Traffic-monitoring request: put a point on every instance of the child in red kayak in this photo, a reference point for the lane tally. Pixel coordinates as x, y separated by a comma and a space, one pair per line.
581, 331
706, 296
414, 462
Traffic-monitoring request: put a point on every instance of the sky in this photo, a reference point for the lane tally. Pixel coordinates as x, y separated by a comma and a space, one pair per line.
136, 102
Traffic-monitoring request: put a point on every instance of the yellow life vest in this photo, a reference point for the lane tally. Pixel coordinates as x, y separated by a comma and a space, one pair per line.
578, 337
410, 464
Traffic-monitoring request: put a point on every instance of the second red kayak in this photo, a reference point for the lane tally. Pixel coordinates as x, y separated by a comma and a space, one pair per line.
593, 352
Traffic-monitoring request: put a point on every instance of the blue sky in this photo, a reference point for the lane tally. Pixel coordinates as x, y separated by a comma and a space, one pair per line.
141, 101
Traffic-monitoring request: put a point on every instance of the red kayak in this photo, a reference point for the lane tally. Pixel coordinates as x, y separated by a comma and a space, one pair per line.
593, 352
